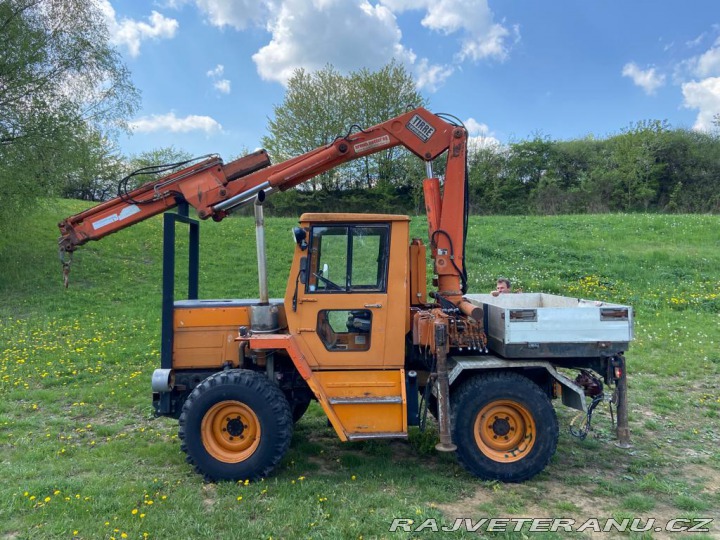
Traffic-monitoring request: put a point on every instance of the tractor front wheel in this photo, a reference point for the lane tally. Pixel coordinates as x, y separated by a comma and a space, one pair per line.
504, 426
236, 425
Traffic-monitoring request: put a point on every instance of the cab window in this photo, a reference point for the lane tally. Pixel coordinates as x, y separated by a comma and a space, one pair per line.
348, 258
345, 329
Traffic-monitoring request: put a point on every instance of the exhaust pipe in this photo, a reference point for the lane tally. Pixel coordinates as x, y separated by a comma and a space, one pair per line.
264, 318
260, 241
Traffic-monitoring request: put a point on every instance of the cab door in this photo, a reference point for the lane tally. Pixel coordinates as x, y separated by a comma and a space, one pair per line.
344, 309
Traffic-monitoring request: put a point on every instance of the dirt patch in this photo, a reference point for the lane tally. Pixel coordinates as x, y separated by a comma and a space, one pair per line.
708, 476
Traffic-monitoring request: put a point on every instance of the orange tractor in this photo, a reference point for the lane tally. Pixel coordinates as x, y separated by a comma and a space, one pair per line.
356, 330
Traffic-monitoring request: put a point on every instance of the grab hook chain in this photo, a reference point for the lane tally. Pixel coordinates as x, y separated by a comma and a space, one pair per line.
66, 259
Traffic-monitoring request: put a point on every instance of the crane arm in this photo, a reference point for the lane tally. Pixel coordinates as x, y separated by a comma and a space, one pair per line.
214, 189
205, 178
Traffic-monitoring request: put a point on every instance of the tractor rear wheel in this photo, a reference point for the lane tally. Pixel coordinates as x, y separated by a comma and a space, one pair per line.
236, 425
504, 426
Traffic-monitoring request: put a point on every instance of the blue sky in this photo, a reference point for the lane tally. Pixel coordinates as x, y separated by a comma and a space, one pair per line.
210, 71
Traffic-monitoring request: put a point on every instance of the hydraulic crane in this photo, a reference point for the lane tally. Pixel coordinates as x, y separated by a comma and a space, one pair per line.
355, 330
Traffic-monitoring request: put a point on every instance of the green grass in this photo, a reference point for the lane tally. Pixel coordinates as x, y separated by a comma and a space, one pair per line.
81, 450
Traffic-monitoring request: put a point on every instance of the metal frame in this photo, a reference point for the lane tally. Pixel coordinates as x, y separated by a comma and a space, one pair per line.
168, 279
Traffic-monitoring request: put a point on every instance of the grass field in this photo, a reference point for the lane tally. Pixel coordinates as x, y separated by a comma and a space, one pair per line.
83, 457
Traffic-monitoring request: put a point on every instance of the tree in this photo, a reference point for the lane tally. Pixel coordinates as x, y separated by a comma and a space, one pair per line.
321, 106
379, 96
94, 168
59, 81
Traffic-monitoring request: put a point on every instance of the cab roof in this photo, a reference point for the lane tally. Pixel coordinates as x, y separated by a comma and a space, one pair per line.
351, 218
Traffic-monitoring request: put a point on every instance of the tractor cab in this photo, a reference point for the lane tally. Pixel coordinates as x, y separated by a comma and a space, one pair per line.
347, 299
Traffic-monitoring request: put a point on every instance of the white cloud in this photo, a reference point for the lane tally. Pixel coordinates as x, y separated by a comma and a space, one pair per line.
708, 63
431, 77
170, 122
649, 79
131, 33
347, 34
353, 34
238, 14
481, 37
705, 96
696, 42
222, 86
492, 44
479, 135
217, 71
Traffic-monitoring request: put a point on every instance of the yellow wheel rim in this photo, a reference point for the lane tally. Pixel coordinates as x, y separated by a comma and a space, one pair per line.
505, 431
230, 431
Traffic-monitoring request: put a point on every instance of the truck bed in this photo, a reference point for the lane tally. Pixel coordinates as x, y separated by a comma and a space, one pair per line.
539, 325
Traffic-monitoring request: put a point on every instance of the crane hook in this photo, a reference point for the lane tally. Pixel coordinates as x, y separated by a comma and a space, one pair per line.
65, 260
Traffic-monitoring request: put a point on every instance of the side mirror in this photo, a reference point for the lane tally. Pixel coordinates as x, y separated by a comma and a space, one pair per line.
300, 235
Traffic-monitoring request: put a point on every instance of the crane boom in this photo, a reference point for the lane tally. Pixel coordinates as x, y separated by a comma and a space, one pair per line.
214, 189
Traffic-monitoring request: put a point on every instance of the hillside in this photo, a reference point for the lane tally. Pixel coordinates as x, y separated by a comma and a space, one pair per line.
83, 457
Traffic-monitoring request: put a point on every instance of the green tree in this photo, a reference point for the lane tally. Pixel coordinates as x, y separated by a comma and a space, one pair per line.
159, 158
637, 172
94, 167
321, 106
60, 81
377, 97
487, 175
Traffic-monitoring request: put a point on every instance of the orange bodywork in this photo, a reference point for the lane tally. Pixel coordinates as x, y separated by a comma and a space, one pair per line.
389, 309
360, 382
358, 403
205, 337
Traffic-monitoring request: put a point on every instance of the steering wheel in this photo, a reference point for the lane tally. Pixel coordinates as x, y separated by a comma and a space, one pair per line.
326, 281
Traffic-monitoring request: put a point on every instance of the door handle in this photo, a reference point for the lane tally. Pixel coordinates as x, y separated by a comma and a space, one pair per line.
375, 306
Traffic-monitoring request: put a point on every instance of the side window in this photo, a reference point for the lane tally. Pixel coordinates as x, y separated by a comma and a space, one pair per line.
329, 259
345, 329
349, 258
368, 258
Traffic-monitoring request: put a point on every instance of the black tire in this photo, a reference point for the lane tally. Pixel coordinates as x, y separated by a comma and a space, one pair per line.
235, 425
504, 426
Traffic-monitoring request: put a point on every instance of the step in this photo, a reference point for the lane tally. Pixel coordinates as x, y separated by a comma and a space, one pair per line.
378, 435
365, 400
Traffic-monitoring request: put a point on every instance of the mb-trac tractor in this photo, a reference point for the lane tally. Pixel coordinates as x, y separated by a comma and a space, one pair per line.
356, 330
